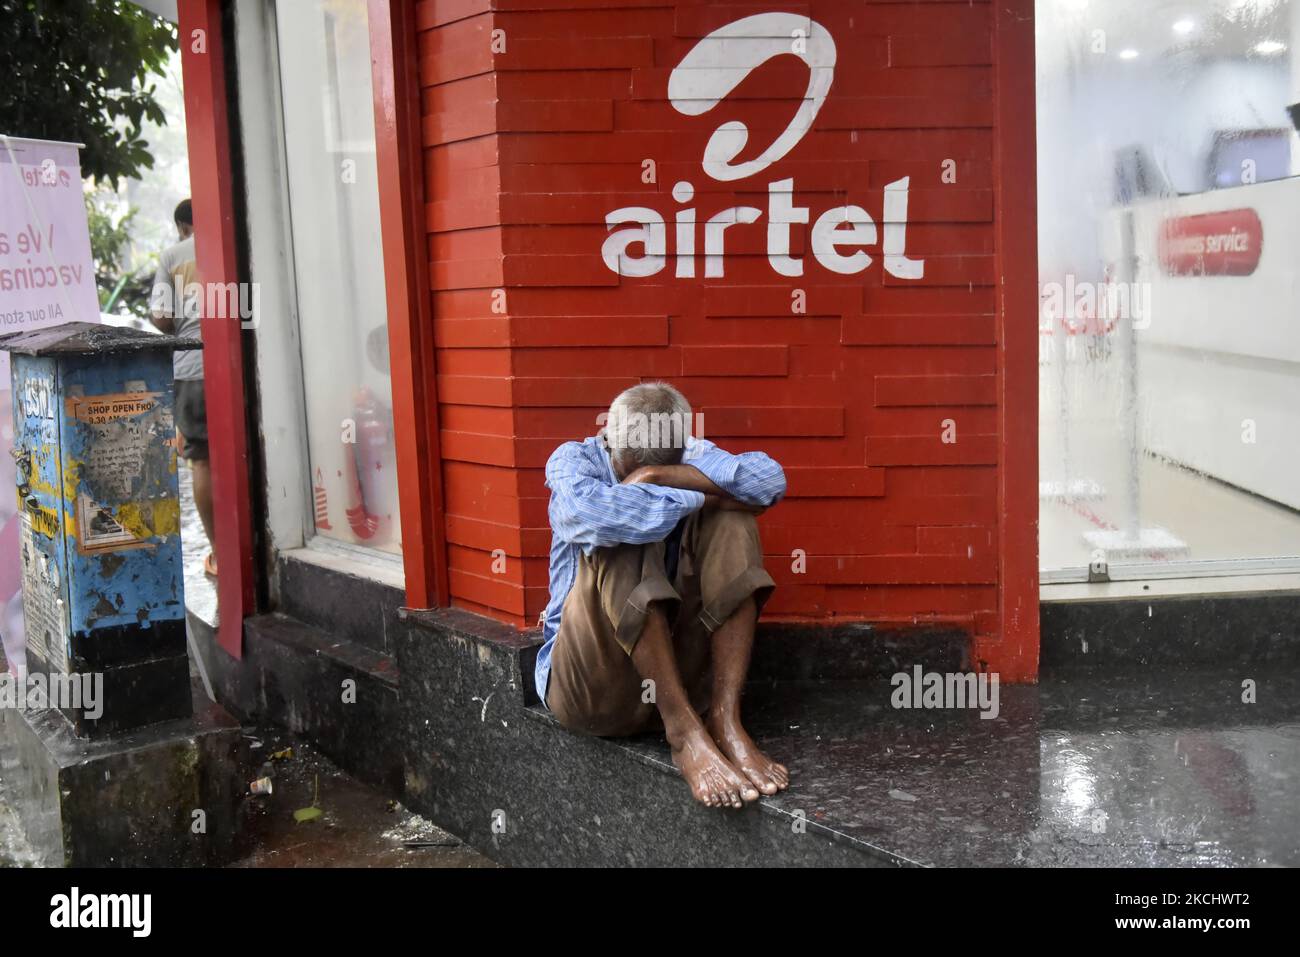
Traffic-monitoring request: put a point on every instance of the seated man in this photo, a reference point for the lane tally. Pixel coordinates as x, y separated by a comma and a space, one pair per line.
657, 581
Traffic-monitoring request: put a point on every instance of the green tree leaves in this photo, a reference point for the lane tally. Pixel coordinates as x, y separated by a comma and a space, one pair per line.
82, 71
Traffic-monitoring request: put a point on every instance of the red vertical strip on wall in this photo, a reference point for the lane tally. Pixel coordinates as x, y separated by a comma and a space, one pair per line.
208, 139
398, 148
1015, 654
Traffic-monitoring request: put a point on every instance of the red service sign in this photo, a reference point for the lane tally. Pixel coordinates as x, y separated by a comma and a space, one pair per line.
1211, 244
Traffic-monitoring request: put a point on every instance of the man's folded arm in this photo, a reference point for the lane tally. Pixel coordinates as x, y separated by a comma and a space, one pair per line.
754, 478
587, 511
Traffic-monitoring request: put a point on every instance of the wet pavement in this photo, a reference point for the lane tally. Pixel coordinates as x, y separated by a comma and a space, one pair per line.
357, 827
1096, 771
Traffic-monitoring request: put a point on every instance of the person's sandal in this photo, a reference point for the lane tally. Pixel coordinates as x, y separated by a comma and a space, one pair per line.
210, 565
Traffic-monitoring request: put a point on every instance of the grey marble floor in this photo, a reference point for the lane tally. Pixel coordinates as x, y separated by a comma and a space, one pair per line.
1168, 771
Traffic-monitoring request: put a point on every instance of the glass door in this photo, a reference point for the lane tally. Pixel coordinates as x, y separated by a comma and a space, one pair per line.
1169, 249
329, 128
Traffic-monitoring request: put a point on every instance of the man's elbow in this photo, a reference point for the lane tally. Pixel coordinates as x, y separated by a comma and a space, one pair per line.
773, 482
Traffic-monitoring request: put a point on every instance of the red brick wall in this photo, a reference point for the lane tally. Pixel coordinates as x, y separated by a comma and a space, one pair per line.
530, 148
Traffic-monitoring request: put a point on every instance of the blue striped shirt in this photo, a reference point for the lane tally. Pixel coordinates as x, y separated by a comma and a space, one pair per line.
590, 509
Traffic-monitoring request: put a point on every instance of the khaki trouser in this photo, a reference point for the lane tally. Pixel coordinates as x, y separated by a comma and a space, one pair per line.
594, 687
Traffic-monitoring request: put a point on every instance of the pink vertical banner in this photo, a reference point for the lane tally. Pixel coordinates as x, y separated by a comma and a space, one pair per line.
47, 277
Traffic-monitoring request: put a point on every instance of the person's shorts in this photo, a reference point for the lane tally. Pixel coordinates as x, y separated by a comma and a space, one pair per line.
594, 687
192, 418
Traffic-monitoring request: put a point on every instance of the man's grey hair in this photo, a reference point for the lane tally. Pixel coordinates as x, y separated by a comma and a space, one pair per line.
648, 424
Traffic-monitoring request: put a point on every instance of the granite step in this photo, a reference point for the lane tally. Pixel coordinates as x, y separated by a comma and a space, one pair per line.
1167, 771
339, 694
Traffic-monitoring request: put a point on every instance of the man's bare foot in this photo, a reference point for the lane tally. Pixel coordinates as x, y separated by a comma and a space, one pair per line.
713, 782
734, 742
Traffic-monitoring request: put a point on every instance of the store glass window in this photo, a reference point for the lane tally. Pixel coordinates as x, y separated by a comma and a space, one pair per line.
1169, 257
324, 52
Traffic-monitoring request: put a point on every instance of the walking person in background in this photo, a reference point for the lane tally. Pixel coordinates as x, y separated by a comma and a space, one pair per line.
174, 308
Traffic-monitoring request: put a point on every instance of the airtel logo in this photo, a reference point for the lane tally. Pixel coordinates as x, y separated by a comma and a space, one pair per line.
721, 61
709, 72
